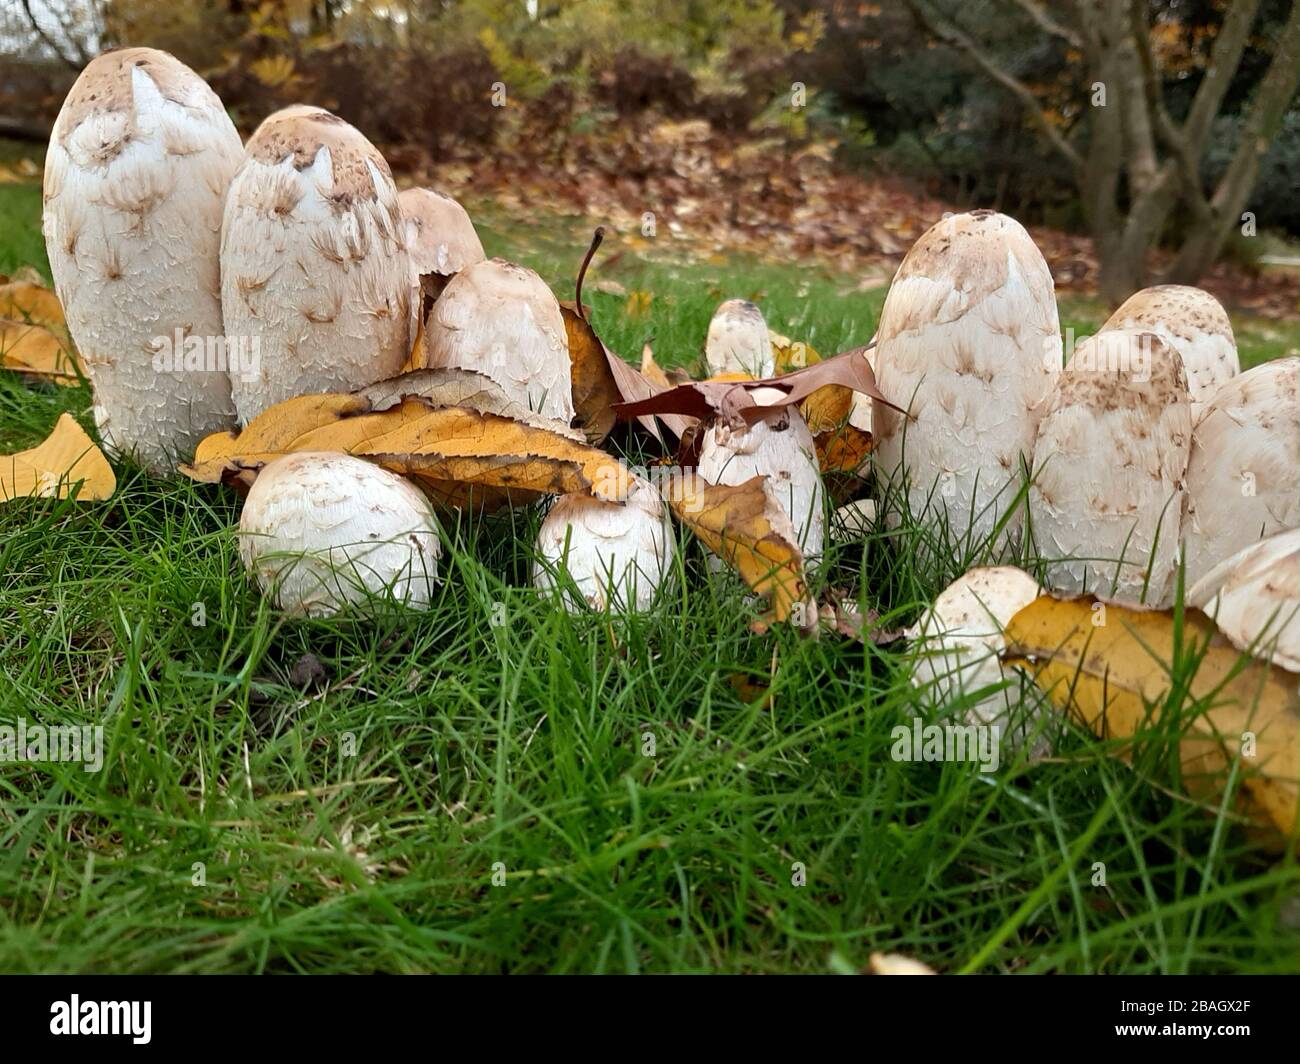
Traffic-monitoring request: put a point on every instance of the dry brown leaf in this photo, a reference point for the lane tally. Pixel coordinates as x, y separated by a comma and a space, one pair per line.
1116, 678
66, 463
593, 381
35, 350
595, 391
746, 527
449, 449
827, 408
748, 401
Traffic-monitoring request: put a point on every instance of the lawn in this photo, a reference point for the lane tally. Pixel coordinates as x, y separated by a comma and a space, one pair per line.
464, 795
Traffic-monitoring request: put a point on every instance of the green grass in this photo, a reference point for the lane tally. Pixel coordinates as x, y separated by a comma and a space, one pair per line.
21, 242
517, 748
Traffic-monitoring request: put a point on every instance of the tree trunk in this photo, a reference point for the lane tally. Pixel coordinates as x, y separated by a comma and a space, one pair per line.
1204, 242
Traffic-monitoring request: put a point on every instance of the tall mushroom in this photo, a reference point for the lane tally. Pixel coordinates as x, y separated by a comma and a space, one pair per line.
738, 341
969, 345
1243, 474
137, 170
314, 268
322, 531
1195, 325
1107, 497
617, 554
504, 322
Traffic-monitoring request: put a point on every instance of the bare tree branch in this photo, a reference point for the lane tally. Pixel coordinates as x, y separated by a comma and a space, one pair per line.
955, 38
1047, 24
1169, 134
1272, 98
49, 41
1225, 57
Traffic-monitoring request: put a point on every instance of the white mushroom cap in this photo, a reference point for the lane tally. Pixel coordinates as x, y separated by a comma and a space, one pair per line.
738, 341
781, 448
1254, 598
1195, 325
320, 531
313, 261
440, 236
137, 170
970, 345
1107, 498
853, 520
959, 638
504, 322
1243, 475
617, 554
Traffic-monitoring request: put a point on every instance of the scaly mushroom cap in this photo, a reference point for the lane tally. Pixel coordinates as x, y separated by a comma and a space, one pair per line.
738, 341
781, 448
1243, 475
1107, 498
440, 238
959, 638
503, 321
622, 550
1195, 325
314, 265
1254, 598
320, 531
137, 170
969, 344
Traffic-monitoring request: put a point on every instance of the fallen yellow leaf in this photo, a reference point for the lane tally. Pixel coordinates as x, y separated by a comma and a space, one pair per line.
651, 370
66, 463
35, 350
449, 449
746, 527
1116, 678
33, 303
844, 450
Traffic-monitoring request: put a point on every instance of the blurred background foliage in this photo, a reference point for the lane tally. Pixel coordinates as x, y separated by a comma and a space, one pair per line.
885, 96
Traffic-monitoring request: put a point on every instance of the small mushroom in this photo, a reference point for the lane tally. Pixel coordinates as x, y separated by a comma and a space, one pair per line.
617, 554
1195, 325
779, 447
960, 636
1107, 497
138, 165
321, 531
1254, 598
1243, 474
969, 345
502, 320
441, 238
738, 341
314, 268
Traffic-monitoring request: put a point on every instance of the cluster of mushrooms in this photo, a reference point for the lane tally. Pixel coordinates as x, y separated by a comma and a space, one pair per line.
1146, 447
